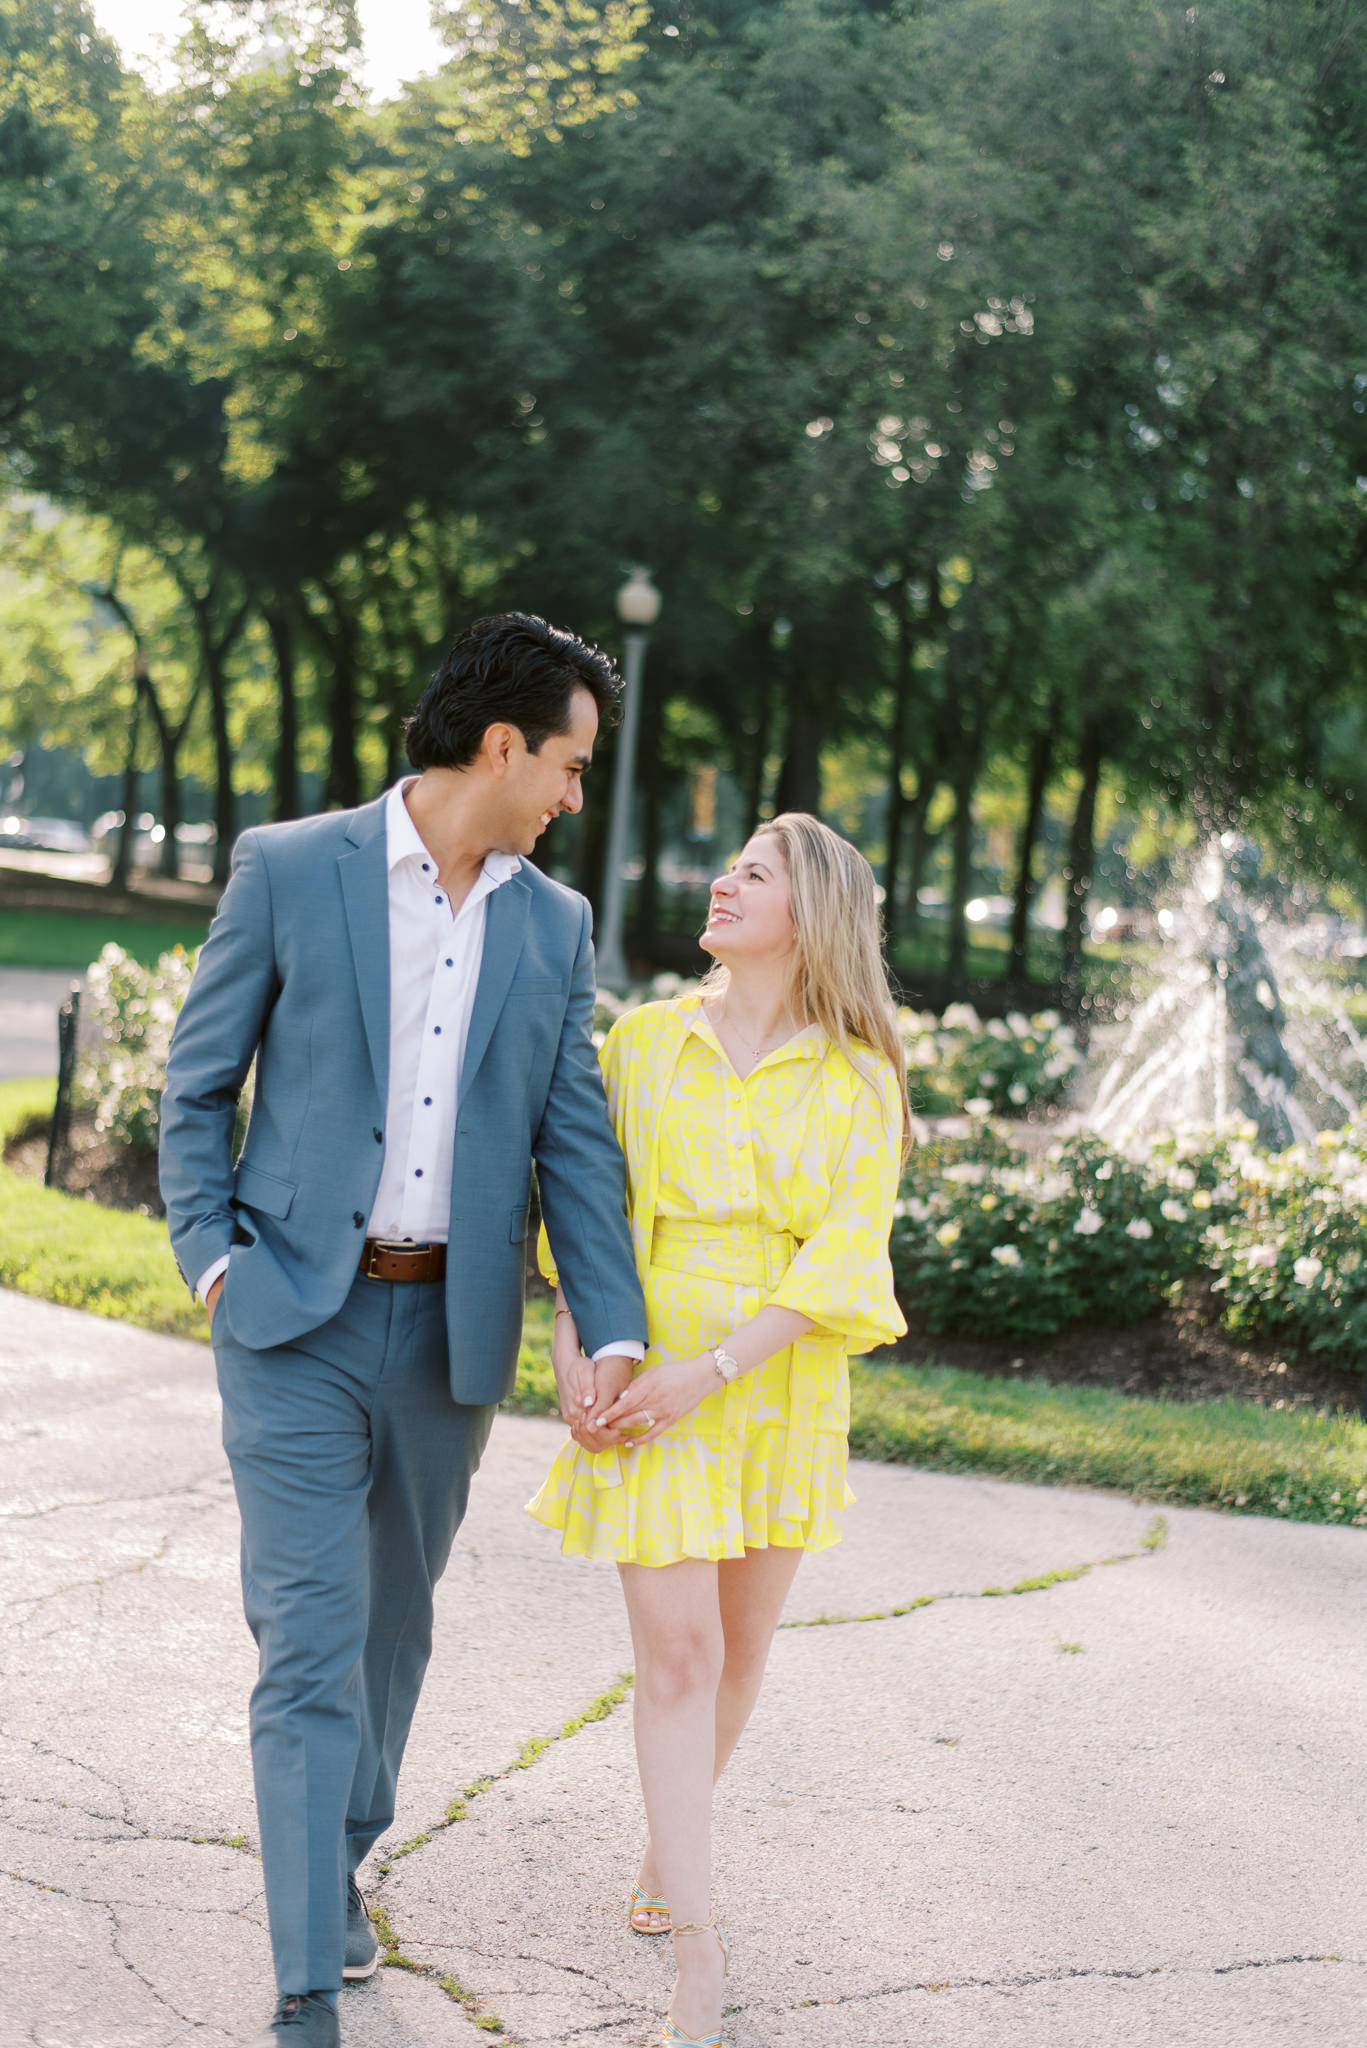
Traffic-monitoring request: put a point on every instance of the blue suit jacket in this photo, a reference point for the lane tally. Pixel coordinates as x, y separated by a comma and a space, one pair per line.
295, 972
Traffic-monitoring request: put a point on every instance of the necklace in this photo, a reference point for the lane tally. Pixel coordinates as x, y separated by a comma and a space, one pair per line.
756, 1052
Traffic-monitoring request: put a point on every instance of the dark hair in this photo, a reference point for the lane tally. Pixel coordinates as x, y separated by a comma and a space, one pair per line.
512, 668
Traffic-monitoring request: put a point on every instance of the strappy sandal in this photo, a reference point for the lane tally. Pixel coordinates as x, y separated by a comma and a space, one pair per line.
671, 2037
641, 1903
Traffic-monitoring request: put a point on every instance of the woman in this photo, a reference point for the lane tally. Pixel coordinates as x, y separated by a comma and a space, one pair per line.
763, 1118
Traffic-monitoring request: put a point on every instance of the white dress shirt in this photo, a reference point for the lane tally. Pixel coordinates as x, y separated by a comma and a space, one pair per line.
435, 955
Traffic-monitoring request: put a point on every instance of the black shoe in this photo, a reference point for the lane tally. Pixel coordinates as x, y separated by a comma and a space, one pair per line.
362, 1949
302, 2020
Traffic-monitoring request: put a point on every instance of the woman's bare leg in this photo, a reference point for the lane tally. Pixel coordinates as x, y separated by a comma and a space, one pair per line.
751, 1591
676, 1632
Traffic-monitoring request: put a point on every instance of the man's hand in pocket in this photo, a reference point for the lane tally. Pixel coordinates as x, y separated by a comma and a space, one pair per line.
211, 1298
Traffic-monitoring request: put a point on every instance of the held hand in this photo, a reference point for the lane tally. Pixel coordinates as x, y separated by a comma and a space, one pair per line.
211, 1298
573, 1372
611, 1377
663, 1393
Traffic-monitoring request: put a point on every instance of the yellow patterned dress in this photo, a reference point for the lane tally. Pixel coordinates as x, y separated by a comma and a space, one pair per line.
778, 1189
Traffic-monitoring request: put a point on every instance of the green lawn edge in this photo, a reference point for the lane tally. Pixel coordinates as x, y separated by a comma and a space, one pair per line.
1219, 1454
71, 939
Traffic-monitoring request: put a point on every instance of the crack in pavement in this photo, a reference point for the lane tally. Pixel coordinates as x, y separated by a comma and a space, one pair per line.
127, 1571
1028, 1980
61, 1891
606, 1703
116, 1500
1153, 1540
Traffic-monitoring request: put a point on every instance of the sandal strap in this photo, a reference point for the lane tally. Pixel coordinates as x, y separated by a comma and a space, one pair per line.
696, 1926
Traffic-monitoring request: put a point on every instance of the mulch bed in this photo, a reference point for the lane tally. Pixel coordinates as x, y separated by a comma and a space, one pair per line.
1181, 1353
116, 1176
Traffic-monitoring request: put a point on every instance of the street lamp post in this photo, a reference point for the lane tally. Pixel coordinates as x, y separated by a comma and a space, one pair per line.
638, 607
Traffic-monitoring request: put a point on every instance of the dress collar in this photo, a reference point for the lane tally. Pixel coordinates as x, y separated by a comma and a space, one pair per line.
806, 1044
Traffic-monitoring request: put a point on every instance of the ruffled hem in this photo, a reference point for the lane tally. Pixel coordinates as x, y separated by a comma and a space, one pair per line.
672, 1501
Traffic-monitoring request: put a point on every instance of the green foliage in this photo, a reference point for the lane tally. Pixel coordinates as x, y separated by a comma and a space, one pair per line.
110, 1262
1006, 1065
130, 1013
990, 1243
72, 938
981, 380
1291, 1258
1227, 1454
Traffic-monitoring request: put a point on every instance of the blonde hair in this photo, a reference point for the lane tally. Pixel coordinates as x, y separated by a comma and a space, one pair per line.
836, 975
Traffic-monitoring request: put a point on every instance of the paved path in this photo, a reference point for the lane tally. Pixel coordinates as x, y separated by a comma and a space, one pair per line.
29, 998
1126, 1808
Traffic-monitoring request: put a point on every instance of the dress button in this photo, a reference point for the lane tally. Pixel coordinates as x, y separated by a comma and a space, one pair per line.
358, 1219
417, 1173
427, 1101
379, 1137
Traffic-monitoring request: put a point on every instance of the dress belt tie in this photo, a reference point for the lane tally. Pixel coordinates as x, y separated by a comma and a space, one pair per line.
739, 1252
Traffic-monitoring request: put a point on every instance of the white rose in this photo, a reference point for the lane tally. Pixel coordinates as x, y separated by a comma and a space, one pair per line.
1088, 1223
1139, 1226
1307, 1271
1006, 1254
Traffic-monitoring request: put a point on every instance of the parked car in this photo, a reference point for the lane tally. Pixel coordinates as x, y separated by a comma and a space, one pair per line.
46, 835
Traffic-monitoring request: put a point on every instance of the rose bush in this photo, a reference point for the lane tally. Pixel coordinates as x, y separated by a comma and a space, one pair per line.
1005, 1065
988, 1242
129, 1013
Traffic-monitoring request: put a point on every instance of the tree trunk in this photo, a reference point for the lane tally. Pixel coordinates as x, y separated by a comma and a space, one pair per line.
225, 803
897, 747
122, 864
168, 741
651, 793
965, 782
1079, 870
799, 782
759, 751
287, 740
1041, 767
344, 776
922, 840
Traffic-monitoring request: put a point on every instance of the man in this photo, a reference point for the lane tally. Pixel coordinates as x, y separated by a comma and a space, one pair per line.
417, 997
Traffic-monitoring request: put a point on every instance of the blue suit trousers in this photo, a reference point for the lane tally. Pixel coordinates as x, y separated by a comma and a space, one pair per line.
352, 1466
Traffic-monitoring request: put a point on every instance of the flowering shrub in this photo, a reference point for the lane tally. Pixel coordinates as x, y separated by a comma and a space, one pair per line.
1291, 1260
608, 1007
1005, 1065
133, 1010
990, 1243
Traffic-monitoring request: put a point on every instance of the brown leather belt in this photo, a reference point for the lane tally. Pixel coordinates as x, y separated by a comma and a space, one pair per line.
392, 1258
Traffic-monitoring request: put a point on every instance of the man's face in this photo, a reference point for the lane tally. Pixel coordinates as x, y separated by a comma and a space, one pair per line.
538, 787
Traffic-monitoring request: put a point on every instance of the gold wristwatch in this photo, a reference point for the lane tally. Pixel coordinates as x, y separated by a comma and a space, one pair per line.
726, 1365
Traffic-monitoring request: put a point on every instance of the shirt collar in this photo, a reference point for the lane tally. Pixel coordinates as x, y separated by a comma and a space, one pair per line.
403, 841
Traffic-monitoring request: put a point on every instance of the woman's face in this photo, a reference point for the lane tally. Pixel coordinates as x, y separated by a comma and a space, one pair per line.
750, 914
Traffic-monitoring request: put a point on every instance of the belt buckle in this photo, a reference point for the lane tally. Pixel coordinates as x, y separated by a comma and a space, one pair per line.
387, 1244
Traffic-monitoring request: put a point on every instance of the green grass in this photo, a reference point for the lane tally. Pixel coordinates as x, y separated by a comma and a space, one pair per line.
109, 1261
73, 938
1226, 1454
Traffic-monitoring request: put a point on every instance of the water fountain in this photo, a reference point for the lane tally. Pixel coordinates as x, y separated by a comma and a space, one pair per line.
1240, 1026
